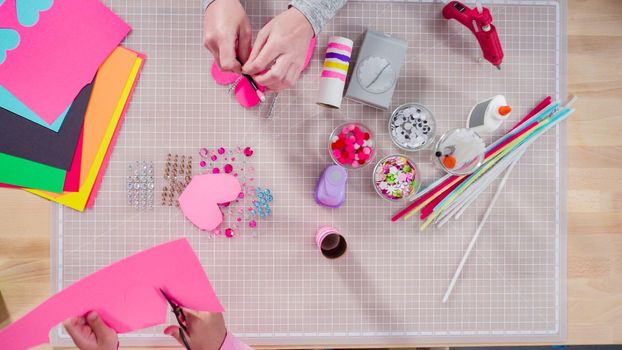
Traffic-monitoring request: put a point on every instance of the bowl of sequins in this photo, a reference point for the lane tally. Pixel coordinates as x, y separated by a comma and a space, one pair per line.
396, 178
412, 127
351, 145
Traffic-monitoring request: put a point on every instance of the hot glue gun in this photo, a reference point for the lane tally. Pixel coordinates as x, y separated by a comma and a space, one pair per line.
479, 21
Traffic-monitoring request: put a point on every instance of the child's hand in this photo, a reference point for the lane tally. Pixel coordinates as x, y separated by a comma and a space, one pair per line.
91, 333
228, 34
206, 330
280, 50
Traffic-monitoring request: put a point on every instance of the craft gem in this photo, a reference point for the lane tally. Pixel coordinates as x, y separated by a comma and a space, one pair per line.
229, 233
140, 185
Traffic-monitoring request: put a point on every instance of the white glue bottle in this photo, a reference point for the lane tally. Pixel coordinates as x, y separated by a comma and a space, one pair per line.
488, 115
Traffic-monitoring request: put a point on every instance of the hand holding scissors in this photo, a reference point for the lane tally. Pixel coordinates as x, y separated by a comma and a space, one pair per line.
197, 330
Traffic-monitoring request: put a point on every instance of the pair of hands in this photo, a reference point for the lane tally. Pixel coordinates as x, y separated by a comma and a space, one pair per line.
276, 58
206, 331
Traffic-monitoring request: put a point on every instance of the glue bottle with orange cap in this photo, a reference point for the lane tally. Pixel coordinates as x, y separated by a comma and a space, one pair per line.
488, 115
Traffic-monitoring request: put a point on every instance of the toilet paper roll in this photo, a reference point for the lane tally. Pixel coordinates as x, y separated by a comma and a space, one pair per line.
330, 243
334, 71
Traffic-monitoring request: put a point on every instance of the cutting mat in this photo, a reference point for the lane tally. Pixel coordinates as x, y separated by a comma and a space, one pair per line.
277, 289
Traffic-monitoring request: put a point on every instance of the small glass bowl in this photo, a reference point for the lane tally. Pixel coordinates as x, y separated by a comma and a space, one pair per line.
456, 142
395, 184
351, 145
412, 127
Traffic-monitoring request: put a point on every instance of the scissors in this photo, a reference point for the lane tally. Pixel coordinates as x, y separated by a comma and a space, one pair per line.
181, 319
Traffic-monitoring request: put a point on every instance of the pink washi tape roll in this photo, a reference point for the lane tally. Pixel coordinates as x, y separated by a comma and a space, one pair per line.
330, 242
334, 71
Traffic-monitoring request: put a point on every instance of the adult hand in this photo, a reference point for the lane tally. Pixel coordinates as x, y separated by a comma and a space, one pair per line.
228, 34
91, 333
206, 330
280, 50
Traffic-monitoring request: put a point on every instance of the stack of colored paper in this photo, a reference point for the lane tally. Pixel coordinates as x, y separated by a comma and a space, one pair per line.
64, 86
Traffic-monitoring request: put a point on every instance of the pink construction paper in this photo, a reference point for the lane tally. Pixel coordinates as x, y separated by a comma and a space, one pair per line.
199, 201
102, 170
126, 294
61, 53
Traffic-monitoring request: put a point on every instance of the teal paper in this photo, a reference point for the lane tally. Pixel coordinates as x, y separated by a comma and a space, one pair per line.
28, 10
11, 103
9, 39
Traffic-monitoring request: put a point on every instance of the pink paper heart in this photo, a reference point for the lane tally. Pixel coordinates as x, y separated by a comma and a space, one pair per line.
223, 78
199, 201
244, 92
246, 95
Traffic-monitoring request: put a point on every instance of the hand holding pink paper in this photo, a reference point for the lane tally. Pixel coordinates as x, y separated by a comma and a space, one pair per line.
244, 93
199, 201
126, 294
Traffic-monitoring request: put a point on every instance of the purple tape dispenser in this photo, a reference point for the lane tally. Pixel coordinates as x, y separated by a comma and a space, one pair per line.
330, 190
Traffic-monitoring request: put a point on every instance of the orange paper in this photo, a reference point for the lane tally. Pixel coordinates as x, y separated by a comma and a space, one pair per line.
112, 87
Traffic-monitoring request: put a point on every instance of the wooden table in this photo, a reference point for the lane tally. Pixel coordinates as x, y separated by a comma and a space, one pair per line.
594, 192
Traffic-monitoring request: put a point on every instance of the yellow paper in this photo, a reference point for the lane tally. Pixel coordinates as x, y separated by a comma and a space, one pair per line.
78, 200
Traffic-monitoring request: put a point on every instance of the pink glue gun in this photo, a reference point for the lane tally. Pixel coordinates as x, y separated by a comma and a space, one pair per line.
479, 21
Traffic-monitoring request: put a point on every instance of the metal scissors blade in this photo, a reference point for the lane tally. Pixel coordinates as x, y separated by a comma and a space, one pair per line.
181, 318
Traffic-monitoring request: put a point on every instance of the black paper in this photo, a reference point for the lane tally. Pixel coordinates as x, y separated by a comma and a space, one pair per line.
22, 138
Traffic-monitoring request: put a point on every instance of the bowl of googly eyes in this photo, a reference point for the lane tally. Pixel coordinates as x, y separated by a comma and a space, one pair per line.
412, 127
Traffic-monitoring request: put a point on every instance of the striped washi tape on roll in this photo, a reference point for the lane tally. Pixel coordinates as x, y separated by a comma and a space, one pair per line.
334, 71
337, 59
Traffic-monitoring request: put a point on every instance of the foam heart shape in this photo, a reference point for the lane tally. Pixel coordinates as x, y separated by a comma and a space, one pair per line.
246, 95
199, 201
28, 10
9, 39
244, 92
223, 78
